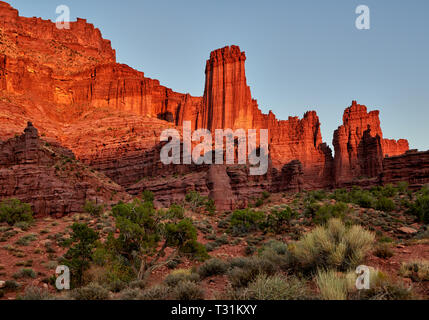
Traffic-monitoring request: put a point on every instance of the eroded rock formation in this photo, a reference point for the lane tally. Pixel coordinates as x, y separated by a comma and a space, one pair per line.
68, 83
360, 147
48, 177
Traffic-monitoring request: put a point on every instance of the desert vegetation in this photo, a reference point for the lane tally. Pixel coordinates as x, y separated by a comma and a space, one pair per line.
290, 246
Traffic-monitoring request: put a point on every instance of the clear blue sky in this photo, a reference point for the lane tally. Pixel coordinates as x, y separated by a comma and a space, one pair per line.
301, 54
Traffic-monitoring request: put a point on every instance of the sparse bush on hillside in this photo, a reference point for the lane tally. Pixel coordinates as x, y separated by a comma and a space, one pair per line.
157, 292
35, 293
180, 275
246, 220
416, 270
276, 287
420, 208
93, 291
385, 204
333, 246
93, 209
13, 211
213, 267
278, 219
187, 290
321, 214
383, 251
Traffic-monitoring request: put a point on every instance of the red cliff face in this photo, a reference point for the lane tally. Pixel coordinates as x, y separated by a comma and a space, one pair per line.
228, 103
359, 145
67, 82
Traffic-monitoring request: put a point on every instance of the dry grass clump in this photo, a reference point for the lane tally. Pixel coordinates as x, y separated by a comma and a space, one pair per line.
333, 246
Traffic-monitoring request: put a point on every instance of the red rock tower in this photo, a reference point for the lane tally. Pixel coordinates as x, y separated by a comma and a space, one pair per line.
227, 98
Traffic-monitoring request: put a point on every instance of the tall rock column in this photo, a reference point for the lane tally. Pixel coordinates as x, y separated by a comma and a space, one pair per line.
227, 101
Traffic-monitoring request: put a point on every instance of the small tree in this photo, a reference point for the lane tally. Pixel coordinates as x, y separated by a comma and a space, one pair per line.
13, 211
79, 256
145, 234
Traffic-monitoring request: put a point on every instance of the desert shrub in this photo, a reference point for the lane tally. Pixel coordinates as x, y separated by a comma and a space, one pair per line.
158, 292
93, 291
93, 209
148, 196
246, 220
79, 257
420, 208
384, 251
23, 225
180, 275
416, 270
137, 284
213, 267
130, 294
276, 287
245, 270
11, 285
25, 273
210, 206
196, 202
177, 211
402, 187
329, 211
316, 195
385, 288
331, 285
35, 293
25, 240
333, 246
145, 234
277, 253
187, 290
385, 204
13, 211
277, 220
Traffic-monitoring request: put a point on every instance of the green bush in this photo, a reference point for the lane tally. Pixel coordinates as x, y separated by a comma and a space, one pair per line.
246, 220
333, 246
213, 267
25, 273
277, 220
148, 196
420, 208
329, 211
13, 211
385, 204
93, 209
